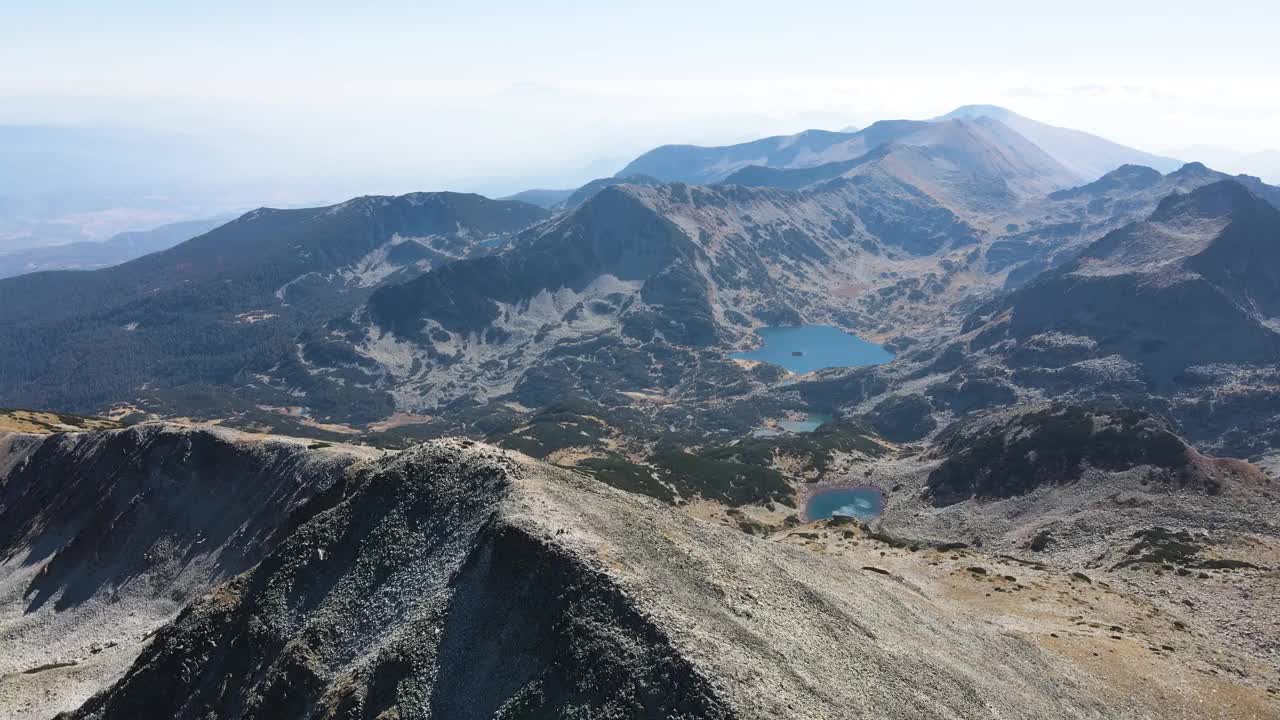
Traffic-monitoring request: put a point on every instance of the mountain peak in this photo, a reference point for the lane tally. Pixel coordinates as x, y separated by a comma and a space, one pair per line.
1192, 171
1082, 157
1088, 156
1128, 177
586, 192
1130, 170
1214, 200
971, 112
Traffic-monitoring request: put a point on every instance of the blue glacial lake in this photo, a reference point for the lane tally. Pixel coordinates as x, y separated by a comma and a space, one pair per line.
863, 503
806, 348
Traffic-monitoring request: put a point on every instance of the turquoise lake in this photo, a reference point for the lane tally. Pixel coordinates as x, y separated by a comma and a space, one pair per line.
863, 503
809, 424
806, 348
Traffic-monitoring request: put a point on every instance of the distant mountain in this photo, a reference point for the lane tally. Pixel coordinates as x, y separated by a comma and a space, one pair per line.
586, 192
701, 165
569, 199
456, 313
1082, 157
615, 236
1196, 283
541, 197
1088, 156
625, 292
1175, 312
979, 164
1050, 231
231, 301
424, 302
358, 310
94, 255
1263, 163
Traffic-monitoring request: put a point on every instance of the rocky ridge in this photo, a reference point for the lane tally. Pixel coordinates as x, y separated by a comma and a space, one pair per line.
108, 534
402, 585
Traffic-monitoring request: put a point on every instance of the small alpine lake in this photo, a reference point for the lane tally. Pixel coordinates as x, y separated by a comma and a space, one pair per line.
811, 422
860, 501
805, 348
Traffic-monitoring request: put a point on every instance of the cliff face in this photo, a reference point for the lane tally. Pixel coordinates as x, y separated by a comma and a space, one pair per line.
104, 536
413, 594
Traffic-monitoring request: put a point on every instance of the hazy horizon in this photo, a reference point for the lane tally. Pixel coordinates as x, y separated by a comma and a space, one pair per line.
145, 113
439, 95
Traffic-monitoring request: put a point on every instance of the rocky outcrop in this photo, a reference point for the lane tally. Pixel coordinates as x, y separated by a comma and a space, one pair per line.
903, 418
1011, 452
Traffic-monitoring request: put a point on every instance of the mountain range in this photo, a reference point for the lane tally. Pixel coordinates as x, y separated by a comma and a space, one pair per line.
352, 313
1262, 163
212, 309
440, 455
1082, 156
1087, 156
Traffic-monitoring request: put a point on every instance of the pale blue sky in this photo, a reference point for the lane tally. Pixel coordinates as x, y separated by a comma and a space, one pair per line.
454, 92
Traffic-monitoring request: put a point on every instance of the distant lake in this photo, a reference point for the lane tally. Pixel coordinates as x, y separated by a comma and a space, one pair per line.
806, 348
812, 422
863, 503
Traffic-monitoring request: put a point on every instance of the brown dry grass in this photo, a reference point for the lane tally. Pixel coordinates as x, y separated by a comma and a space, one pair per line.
43, 422
1124, 640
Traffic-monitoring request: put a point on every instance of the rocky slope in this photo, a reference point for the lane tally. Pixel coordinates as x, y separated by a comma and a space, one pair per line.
1117, 497
979, 146
106, 535
639, 284
977, 165
703, 165
1197, 283
228, 303
455, 580
1050, 232
459, 580
1173, 315
1097, 530
1086, 155
1071, 155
